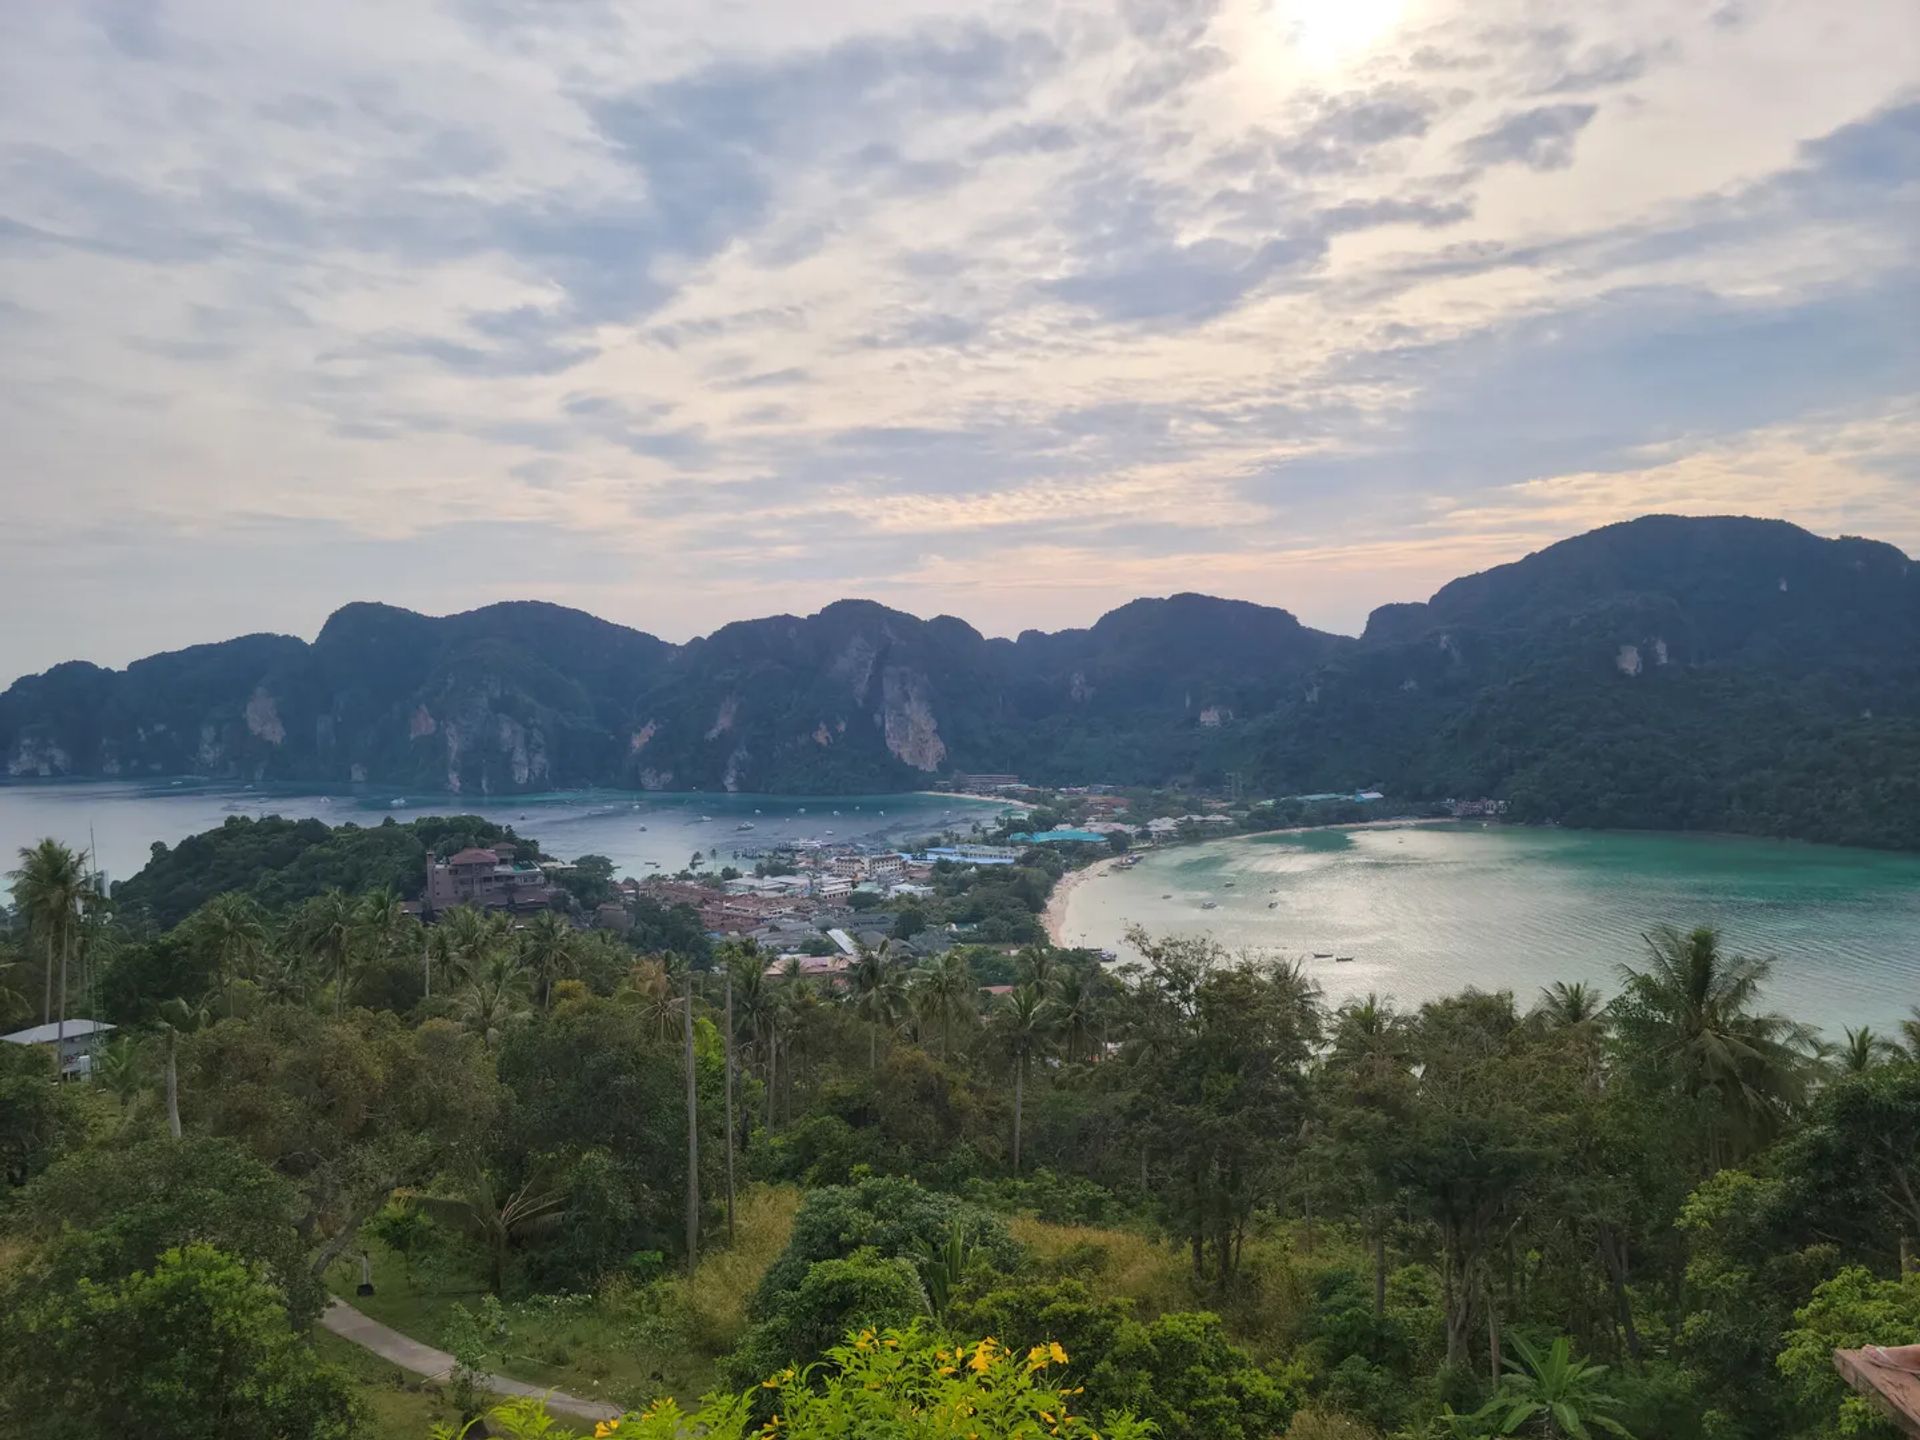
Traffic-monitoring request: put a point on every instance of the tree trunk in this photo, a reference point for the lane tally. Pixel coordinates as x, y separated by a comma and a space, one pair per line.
1019, 1099
426, 966
60, 1035
873, 1048
1493, 1339
1614, 1260
773, 1072
173, 1086
693, 1132
730, 1137
1380, 1266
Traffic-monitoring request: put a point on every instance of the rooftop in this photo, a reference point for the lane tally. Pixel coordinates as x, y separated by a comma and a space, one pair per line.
47, 1034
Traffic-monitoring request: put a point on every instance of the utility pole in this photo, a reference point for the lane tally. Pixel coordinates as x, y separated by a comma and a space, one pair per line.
693, 1131
730, 1133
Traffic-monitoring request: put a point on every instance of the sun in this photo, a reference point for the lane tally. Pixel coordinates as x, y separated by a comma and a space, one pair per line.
1329, 34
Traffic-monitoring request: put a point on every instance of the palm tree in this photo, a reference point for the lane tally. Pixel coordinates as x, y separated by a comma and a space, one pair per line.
1564, 1006
1690, 1017
1076, 1004
11, 999
463, 939
493, 998
650, 989
492, 1216
232, 931
878, 995
1023, 1020
49, 889
1864, 1050
329, 930
1554, 1395
946, 992
117, 1069
1371, 1040
550, 951
177, 1018
1910, 1032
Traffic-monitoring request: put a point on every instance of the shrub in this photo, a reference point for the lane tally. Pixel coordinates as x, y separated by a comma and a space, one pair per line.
877, 1383
865, 1290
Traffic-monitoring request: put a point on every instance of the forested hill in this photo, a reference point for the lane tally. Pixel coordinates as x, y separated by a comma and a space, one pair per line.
1708, 673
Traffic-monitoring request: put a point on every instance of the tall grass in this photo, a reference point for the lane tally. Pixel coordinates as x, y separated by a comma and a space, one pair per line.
714, 1298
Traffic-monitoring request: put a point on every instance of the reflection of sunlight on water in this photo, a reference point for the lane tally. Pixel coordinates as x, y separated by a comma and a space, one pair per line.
1427, 912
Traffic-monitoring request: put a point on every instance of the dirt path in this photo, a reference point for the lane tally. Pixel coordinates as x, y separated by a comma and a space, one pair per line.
409, 1354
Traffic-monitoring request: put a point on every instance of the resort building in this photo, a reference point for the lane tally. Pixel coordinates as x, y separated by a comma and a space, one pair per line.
492, 879
74, 1042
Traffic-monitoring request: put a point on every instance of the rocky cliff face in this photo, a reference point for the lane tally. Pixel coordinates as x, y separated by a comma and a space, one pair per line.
1667, 635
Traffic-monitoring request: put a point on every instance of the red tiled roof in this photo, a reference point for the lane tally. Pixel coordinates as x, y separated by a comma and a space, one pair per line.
475, 857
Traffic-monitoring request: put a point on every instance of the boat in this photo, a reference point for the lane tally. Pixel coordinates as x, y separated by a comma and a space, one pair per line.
396, 804
1273, 904
705, 818
1343, 959
1209, 904
643, 829
1226, 884
744, 825
1167, 896
1323, 954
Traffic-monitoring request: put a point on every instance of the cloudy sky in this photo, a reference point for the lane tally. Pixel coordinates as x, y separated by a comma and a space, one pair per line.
684, 312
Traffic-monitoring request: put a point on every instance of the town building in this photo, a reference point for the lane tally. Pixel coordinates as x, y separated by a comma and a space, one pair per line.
75, 1042
488, 879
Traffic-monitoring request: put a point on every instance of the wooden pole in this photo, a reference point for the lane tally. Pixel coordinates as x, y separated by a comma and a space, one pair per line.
693, 1130
730, 1134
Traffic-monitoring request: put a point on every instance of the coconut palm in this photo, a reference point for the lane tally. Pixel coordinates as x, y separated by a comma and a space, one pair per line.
879, 995
493, 997
1689, 1017
329, 931
177, 1017
1565, 1006
1023, 1022
463, 939
495, 1216
949, 994
1910, 1033
12, 999
231, 931
649, 988
1371, 1040
549, 951
117, 1070
49, 890
1863, 1050
1076, 1006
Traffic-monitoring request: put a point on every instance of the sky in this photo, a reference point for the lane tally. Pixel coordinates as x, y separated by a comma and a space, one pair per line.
688, 312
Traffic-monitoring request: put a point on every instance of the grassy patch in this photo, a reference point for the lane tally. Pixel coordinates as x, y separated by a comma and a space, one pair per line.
624, 1343
1154, 1275
400, 1406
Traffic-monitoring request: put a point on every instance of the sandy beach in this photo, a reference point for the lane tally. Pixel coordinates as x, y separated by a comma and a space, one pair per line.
1055, 917
1056, 912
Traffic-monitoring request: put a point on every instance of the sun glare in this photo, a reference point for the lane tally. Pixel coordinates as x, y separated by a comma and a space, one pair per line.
1327, 34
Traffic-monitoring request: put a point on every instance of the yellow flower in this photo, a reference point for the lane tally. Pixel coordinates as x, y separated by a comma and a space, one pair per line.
773, 1384
947, 1370
1059, 1355
1037, 1358
982, 1360
605, 1428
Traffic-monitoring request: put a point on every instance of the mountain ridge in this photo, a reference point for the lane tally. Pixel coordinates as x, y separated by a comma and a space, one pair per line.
1669, 671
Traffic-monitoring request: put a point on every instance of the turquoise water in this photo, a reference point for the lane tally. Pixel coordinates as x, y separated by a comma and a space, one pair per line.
125, 819
1425, 911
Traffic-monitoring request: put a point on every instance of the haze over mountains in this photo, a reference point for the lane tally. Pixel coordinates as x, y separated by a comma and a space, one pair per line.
1723, 673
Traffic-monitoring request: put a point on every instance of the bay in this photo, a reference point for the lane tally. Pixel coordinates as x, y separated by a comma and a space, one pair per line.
1428, 910
642, 833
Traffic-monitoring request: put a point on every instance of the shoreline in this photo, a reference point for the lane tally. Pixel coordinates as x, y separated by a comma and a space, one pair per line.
1054, 918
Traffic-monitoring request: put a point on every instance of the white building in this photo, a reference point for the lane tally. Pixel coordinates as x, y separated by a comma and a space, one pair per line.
76, 1045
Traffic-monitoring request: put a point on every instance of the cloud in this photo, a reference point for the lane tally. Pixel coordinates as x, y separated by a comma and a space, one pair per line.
1541, 138
1007, 309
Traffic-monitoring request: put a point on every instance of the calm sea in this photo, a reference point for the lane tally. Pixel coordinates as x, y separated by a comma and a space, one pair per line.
1429, 910
638, 832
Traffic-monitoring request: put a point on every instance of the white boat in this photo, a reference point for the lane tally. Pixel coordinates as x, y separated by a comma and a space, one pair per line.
1209, 904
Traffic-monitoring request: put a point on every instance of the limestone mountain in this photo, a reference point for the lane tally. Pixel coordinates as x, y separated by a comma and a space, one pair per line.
1694, 673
